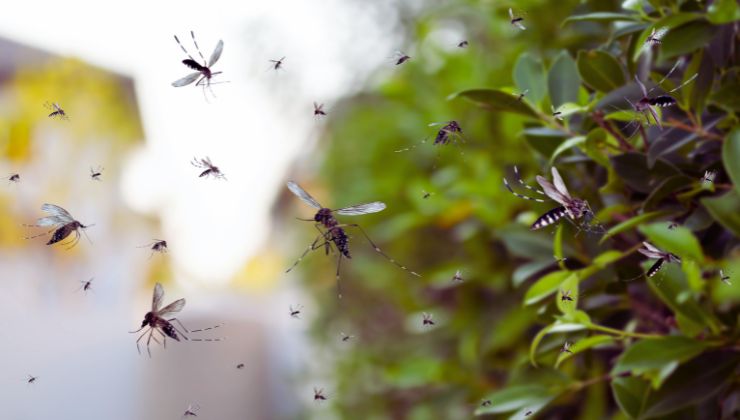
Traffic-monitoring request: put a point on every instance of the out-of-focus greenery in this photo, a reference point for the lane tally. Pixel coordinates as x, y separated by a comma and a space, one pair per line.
641, 348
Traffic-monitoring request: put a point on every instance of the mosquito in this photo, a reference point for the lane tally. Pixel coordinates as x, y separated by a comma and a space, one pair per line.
708, 177
457, 278
485, 403
573, 208
566, 348
346, 337
56, 111
210, 168
528, 413
86, 285
724, 277
646, 104
192, 408
15, 178
426, 194
673, 225
31, 379
318, 110
96, 173
450, 130
296, 312
159, 245
463, 44
62, 223
240, 366
565, 296
318, 394
650, 251
426, 319
203, 73
516, 21
558, 115
334, 231
520, 96
401, 58
277, 64
655, 38
155, 321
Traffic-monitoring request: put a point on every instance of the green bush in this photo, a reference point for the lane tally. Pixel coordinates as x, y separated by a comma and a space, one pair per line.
665, 346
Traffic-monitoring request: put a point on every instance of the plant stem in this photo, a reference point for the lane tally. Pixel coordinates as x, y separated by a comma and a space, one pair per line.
599, 119
621, 333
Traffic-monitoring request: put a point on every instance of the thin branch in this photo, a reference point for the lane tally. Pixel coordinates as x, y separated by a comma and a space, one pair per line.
598, 116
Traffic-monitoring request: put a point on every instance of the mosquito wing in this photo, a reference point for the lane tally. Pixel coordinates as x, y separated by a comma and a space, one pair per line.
511, 14
303, 195
658, 34
559, 184
157, 297
366, 208
551, 191
519, 25
58, 212
186, 80
216, 53
649, 254
651, 247
50, 221
172, 308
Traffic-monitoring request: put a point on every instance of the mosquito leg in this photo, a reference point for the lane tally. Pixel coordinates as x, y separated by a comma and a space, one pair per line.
183, 48
312, 247
181, 325
40, 234
522, 183
508, 187
339, 265
139, 339
192, 34
378, 250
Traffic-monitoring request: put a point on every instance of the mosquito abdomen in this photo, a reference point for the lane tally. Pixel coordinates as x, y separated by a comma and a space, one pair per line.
663, 101
549, 218
61, 233
193, 64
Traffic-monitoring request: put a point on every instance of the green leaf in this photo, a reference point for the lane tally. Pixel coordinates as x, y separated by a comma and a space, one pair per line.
603, 17
666, 188
731, 157
631, 223
583, 345
723, 11
692, 383
686, 39
545, 286
634, 170
557, 242
544, 140
728, 94
557, 326
680, 240
697, 91
533, 397
563, 80
671, 21
630, 394
600, 70
497, 100
726, 210
529, 74
657, 358
568, 144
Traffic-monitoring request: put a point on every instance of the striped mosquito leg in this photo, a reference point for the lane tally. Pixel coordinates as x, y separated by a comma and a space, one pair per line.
40, 234
312, 247
549, 218
192, 34
379, 251
522, 183
207, 329
508, 187
183, 48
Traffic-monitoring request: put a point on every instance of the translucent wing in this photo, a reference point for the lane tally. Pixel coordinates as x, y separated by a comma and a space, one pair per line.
659, 34
157, 296
520, 26
551, 191
303, 195
57, 211
216, 53
651, 247
186, 80
172, 308
366, 208
511, 14
559, 184
50, 221
650, 251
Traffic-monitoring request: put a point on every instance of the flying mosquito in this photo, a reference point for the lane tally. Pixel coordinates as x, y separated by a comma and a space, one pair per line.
426, 194
156, 320
203, 73
318, 394
516, 21
318, 110
520, 96
673, 225
190, 412
31, 379
56, 111
296, 312
463, 44
96, 173
573, 208
457, 278
401, 58
277, 64
565, 296
62, 223
655, 38
450, 130
708, 177
646, 104
528, 413
566, 348
485, 403
86, 285
16, 178
334, 232
240, 366
650, 251
724, 277
210, 168
159, 246
346, 337
557, 114
426, 319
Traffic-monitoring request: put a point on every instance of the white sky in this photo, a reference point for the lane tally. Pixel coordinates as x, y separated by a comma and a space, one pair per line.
259, 123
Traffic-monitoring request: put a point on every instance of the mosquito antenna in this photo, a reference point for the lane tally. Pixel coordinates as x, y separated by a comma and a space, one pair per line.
192, 34
675, 66
690, 79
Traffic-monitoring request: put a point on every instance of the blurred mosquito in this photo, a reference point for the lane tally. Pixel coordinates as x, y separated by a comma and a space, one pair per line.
724, 277
426, 194
86, 285
16, 178
650, 251
566, 348
520, 96
277, 64
457, 278
210, 168
296, 312
557, 114
203, 73
401, 58
334, 231
450, 130
565, 296
646, 105
655, 38
31, 379
528, 413
673, 225
318, 394
485, 403
62, 223
155, 321
708, 177
573, 208
159, 246
463, 44
56, 111
240, 366
426, 319
516, 21
346, 337
96, 173
318, 110
190, 412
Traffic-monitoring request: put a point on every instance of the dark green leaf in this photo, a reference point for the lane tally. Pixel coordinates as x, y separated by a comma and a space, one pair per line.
666, 188
657, 358
563, 80
680, 240
726, 210
497, 100
529, 74
631, 223
723, 11
630, 394
686, 39
731, 157
671, 21
600, 70
668, 143
533, 397
634, 170
728, 95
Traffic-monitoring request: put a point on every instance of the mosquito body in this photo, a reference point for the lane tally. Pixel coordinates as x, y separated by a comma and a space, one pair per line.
15, 178
558, 115
318, 110
426, 194
190, 412
516, 21
650, 251
401, 58
277, 64
655, 38
450, 131
528, 413
159, 246
209, 168
457, 278
426, 319
240, 366
725, 278
56, 111
572, 208
96, 173
485, 403
708, 177
62, 223
203, 72
156, 321
31, 379
520, 96
565, 296
673, 225
318, 395
566, 348
296, 312
463, 44
346, 337
646, 105
333, 232
86, 285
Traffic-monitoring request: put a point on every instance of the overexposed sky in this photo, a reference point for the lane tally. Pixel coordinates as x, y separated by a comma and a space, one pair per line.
257, 126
